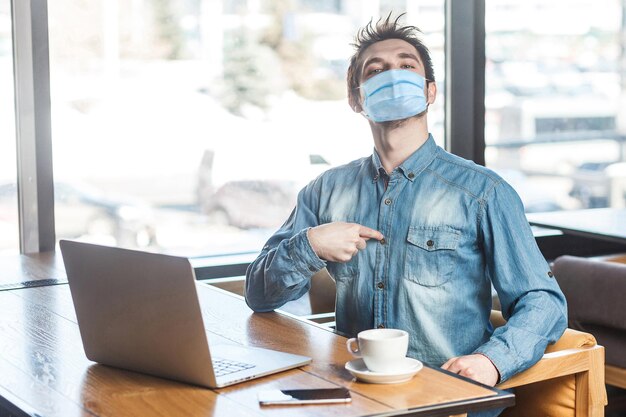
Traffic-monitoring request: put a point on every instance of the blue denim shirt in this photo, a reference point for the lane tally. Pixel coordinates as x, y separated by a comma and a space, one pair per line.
452, 228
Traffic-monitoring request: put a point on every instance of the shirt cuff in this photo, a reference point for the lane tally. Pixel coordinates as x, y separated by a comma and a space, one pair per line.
304, 257
501, 356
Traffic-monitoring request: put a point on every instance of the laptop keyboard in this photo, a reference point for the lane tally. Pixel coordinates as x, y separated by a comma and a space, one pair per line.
223, 367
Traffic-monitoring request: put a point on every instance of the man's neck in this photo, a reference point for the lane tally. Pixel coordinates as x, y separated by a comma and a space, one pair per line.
395, 144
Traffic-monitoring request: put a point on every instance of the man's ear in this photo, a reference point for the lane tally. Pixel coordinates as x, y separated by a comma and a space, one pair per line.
354, 101
432, 92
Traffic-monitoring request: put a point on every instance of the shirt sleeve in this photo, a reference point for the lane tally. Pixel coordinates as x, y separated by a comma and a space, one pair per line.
283, 269
532, 302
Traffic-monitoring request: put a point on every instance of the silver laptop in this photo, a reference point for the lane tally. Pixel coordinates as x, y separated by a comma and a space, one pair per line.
140, 311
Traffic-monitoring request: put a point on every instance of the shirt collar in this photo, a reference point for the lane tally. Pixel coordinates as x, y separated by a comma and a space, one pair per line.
413, 165
377, 166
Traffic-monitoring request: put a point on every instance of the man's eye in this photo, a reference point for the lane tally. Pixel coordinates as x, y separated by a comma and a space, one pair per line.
374, 71
407, 66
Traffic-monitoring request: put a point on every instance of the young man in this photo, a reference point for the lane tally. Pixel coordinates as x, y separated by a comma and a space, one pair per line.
414, 236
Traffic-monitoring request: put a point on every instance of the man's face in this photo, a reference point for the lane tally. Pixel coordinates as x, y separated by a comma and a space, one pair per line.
392, 54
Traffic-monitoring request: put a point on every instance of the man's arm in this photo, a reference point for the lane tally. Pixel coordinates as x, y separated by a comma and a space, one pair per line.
531, 299
283, 269
298, 250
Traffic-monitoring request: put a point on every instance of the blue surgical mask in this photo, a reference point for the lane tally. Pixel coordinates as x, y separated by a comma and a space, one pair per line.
393, 95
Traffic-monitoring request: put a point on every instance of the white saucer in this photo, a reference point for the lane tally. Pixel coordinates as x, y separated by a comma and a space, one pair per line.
359, 370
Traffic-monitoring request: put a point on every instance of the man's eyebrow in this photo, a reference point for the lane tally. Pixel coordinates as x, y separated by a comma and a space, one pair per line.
373, 60
408, 55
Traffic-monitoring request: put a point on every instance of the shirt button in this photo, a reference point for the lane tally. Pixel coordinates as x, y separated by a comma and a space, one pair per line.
388, 201
383, 241
430, 243
380, 285
550, 274
312, 269
411, 175
381, 326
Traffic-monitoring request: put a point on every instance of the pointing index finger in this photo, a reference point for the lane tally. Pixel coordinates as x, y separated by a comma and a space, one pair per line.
366, 232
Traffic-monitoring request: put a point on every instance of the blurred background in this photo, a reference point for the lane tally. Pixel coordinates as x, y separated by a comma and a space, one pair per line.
189, 126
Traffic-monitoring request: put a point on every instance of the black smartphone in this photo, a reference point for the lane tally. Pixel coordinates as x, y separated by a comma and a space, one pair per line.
304, 396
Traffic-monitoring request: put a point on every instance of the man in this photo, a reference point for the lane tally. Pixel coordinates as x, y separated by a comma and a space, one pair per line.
414, 236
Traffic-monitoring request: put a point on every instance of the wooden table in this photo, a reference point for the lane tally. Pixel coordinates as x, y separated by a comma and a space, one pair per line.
43, 369
604, 224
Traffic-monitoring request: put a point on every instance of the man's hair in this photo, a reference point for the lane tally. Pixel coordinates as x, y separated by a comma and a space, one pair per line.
381, 31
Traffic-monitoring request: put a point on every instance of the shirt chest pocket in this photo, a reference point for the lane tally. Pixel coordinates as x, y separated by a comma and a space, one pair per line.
431, 255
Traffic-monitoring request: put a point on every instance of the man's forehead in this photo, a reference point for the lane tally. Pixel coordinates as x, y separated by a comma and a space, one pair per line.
388, 48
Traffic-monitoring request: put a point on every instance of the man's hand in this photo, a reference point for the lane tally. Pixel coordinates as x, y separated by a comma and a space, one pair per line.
477, 367
339, 241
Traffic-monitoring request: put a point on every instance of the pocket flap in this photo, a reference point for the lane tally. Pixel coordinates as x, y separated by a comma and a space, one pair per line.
429, 238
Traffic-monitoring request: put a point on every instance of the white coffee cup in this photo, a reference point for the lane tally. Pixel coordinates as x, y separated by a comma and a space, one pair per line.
382, 350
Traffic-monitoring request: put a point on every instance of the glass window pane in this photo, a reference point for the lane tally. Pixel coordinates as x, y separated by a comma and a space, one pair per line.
189, 127
9, 231
554, 125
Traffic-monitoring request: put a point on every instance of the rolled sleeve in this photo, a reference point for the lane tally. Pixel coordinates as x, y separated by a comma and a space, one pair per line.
304, 257
501, 356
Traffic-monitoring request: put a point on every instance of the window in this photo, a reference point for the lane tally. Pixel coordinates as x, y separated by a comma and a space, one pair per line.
554, 127
189, 127
9, 230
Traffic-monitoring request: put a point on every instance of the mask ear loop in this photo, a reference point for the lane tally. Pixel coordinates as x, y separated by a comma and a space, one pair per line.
425, 111
358, 87
427, 81
362, 112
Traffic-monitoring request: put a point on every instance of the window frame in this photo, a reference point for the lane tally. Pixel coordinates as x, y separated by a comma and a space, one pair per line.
465, 79
31, 68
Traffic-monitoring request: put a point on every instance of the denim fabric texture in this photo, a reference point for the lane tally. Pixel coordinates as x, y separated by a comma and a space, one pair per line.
452, 229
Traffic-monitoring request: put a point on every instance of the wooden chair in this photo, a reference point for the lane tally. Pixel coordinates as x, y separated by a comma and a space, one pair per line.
567, 381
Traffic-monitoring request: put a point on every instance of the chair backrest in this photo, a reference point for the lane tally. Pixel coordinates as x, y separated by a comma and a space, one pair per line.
322, 293
551, 395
